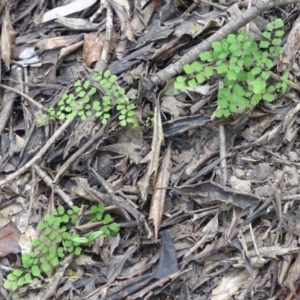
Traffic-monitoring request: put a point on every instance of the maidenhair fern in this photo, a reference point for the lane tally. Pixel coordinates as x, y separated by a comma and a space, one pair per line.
243, 67
57, 239
87, 99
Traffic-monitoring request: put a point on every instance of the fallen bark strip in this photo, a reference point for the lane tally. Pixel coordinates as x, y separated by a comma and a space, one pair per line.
258, 8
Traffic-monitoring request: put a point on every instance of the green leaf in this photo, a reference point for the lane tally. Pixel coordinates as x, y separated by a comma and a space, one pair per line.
188, 69
107, 219
218, 113
234, 47
227, 82
279, 33
200, 78
255, 71
179, 86
231, 75
114, 227
123, 123
81, 94
232, 107
41, 225
46, 267
223, 103
35, 243
35, 271
86, 99
222, 69
77, 251
241, 37
242, 76
269, 63
268, 97
11, 277
61, 210
208, 71
131, 106
21, 281
270, 27
225, 45
271, 89
206, 56
224, 93
284, 87
226, 113
222, 55
86, 84
239, 90
81, 240
94, 235
248, 61
92, 91
247, 45
279, 23
55, 262
192, 83
255, 99
233, 60
113, 78
243, 103
276, 42
231, 38
8, 285
217, 46
267, 35
279, 50
264, 44
258, 85
237, 52
197, 66
121, 91
77, 83
181, 79
107, 74
16, 273
265, 75
71, 116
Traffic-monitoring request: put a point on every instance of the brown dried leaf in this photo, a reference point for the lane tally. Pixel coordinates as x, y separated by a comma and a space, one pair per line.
159, 194
126, 26
217, 192
7, 38
9, 239
153, 156
92, 47
230, 284
57, 42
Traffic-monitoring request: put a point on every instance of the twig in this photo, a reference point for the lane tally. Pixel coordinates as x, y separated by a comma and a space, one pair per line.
52, 185
78, 153
39, 155
24, 96
223, 154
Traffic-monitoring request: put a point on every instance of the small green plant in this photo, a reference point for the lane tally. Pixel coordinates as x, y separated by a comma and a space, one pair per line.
149, 119
84, 101
243, 66
55, 241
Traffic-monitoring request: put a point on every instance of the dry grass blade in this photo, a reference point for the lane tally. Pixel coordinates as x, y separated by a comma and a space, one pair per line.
153, 156
160, 191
